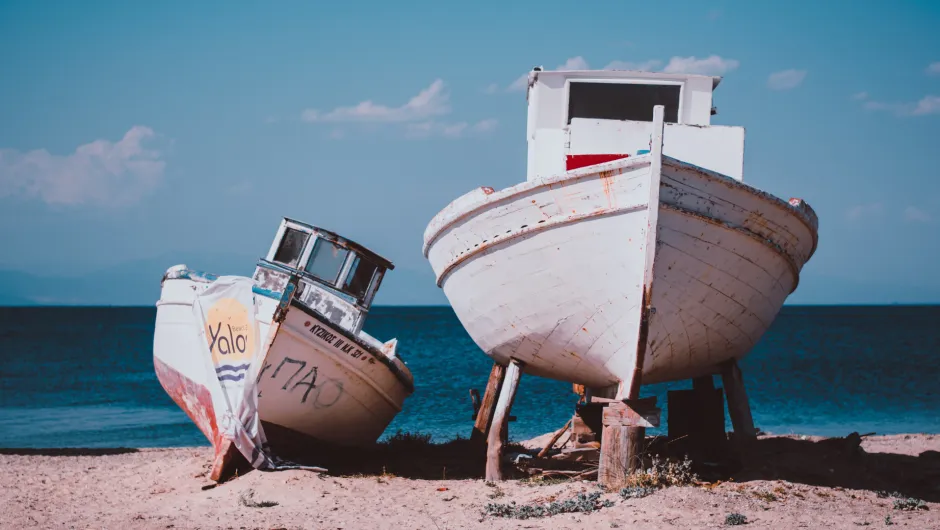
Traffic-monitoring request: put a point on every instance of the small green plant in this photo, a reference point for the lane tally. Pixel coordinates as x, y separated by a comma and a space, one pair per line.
735, 519
636, 492
497, 491
909, 504
583, 503
410, 440
765, 496
663, 473
247, 499
888, 520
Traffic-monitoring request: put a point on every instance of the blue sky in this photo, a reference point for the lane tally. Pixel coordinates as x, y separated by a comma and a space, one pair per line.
139, 133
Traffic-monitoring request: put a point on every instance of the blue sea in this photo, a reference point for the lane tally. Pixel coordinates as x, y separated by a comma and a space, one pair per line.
83, 377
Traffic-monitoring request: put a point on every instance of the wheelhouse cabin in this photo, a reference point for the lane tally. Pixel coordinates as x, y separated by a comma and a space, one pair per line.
580, 118
338, 277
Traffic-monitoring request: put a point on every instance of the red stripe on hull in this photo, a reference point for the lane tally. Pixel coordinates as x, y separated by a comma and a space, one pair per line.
196, 401
579, 161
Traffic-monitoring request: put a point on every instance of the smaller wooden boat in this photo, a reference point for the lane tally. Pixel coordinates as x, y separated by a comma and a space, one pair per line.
281, 354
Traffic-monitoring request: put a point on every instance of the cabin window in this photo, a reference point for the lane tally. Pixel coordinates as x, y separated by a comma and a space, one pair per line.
359, 278
326, 260
291, 247
622, 101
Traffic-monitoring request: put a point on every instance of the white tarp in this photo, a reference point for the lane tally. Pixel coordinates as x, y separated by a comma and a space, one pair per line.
234, 352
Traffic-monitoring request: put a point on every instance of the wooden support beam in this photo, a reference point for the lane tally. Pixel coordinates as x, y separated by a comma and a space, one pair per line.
475, 402
738, 406
622, 439
484, 415
494, 442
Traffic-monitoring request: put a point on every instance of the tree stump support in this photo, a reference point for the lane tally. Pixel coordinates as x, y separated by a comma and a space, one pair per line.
498, 429
738, 406
483, 416
624, 430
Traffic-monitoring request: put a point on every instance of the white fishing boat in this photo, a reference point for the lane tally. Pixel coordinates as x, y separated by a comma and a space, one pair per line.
633, 253
281, 354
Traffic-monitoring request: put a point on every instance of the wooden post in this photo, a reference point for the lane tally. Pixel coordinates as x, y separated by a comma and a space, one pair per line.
494, 442
738, 407
484, 415
625, 425
697, 420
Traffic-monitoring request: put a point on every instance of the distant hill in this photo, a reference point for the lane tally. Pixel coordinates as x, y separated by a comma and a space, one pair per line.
138, 283
130, 283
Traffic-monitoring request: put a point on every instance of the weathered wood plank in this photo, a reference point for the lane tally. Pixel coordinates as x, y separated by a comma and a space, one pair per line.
494, 440
555, 437
738, 406
484, 416
632, 413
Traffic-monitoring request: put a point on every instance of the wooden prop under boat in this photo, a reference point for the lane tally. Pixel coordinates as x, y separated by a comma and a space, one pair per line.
282, 355
633, 252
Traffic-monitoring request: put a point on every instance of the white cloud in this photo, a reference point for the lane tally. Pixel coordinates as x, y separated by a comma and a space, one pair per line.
100, 172
711, 65
912, 213
927, 105
864, 211
522, 82
432, 101
574, 63
449, 130
860, 96
786, 79
645, 66
491, 89
714, 14
933, 68
485, 125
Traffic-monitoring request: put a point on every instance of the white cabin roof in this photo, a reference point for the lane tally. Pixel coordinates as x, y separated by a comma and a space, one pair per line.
583, 117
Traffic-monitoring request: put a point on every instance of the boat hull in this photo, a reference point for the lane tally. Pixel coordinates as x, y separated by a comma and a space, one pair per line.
563, 287
309, 383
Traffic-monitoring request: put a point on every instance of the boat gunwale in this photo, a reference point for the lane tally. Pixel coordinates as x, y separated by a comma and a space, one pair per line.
447, 219
518, 189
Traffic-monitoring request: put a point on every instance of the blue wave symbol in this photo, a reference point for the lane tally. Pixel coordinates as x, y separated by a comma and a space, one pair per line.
230, 377
233, 368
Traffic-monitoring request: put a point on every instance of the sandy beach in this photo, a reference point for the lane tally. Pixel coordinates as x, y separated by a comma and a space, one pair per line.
785, 482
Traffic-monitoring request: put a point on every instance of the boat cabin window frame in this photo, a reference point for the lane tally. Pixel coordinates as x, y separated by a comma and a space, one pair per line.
339, 284
621, 81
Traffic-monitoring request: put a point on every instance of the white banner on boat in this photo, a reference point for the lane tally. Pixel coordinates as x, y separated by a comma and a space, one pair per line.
233, 352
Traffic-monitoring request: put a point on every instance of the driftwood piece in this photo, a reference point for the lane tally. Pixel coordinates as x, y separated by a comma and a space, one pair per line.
484, 416
555, 437
494, 442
